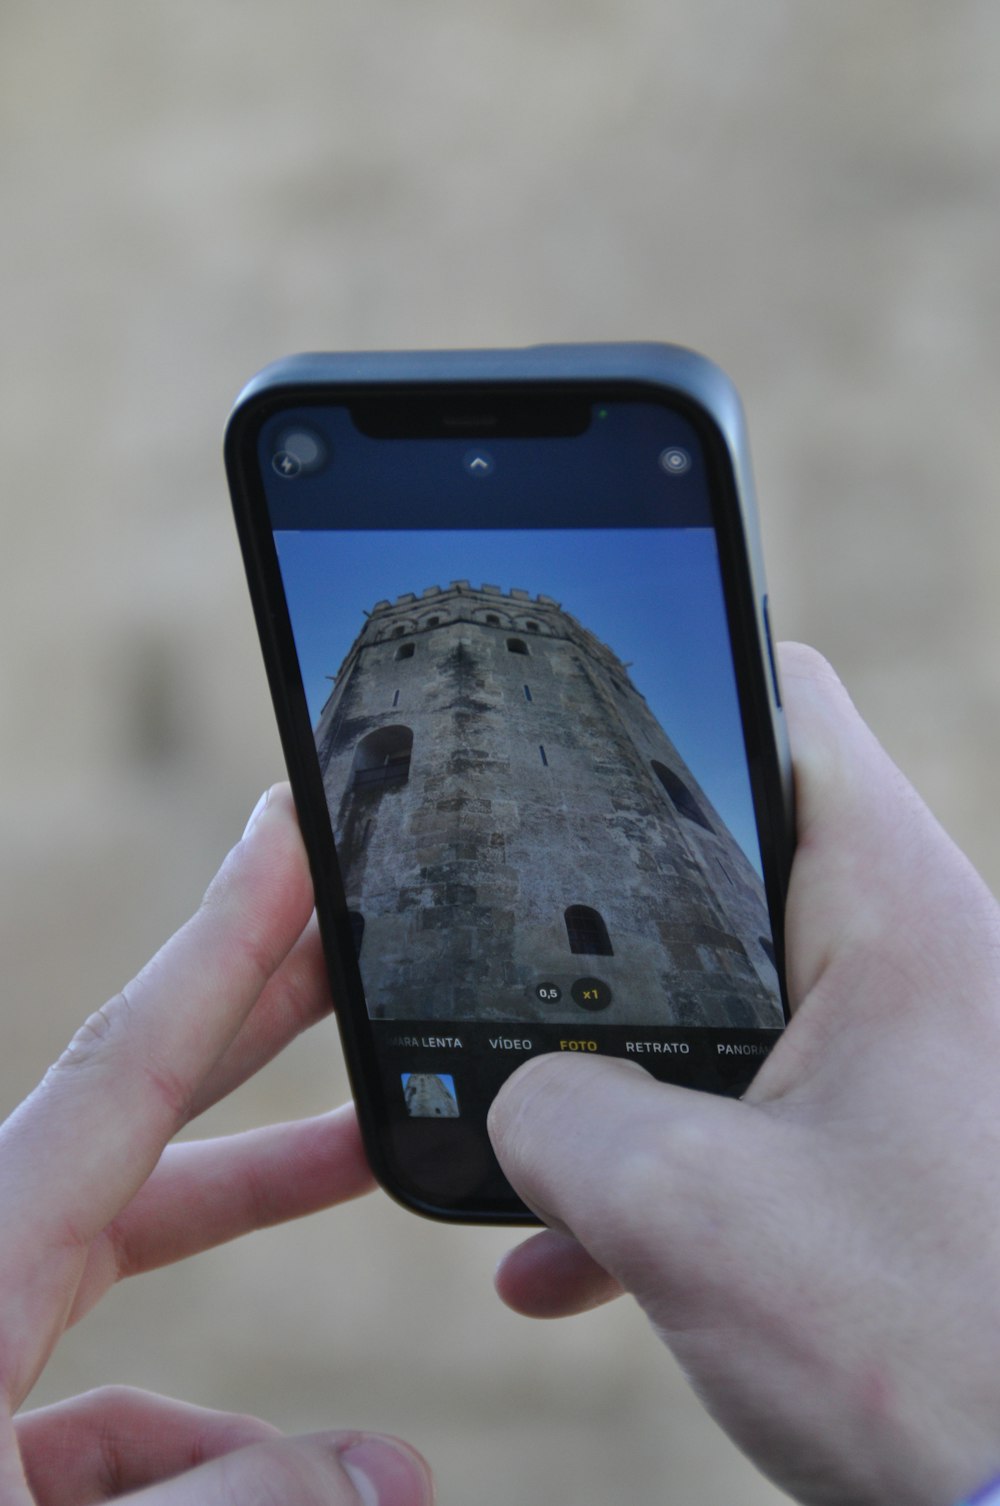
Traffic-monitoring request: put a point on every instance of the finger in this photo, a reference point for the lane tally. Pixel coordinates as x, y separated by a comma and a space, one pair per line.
112, 1442
551, 1276
649, 1187
118, 1439
860, 826
872, 875
293, 999
206, 1192
322, 1469
843, 782
87, 1138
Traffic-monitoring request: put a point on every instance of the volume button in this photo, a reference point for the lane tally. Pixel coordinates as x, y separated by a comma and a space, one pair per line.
770, 653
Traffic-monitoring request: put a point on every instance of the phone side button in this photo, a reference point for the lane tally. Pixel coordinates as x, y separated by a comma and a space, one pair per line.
770, 653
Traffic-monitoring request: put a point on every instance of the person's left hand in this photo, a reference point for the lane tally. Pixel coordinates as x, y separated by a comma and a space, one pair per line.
89, 1193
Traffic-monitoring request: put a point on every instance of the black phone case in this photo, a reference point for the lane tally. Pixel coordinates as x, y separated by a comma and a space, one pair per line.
692, 385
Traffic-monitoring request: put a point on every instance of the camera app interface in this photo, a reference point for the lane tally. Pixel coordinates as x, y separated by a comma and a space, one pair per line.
516, 660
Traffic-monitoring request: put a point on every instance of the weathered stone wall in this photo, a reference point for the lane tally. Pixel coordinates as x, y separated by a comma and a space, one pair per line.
488, 764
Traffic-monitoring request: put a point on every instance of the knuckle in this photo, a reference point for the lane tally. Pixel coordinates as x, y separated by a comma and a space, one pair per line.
110, 1398
660, 1178
98, 1033
108, 1040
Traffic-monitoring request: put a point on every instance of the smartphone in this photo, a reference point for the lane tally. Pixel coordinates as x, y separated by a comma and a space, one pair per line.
513, 615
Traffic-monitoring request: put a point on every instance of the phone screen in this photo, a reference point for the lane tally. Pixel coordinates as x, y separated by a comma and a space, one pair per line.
516, 661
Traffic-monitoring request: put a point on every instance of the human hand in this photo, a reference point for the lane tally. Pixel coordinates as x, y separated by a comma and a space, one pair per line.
89, 1193
823, 1257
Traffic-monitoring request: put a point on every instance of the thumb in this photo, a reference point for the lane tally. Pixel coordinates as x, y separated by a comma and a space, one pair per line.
321, 1469
639, 1172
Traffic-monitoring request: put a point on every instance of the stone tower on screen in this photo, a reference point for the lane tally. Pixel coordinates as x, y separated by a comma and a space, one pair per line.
514, 825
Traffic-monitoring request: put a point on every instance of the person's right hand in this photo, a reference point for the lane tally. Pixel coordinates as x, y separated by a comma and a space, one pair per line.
824, 1257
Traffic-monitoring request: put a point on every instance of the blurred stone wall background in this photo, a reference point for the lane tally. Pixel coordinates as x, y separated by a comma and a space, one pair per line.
806, 192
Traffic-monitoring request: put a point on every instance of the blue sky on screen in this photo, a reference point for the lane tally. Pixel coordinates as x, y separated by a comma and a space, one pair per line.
652, 595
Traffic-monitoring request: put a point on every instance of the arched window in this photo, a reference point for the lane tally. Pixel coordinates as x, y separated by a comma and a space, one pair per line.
681, 797
398, 632
357, 929
493, 619
532, 627
516, 646
382, 758
587, 932
405, 650
434, 621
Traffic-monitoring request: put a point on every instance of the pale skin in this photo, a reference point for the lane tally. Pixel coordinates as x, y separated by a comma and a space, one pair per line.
91, 1191
823, 1257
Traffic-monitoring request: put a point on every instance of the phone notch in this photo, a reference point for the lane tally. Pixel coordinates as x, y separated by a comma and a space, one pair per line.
461, 415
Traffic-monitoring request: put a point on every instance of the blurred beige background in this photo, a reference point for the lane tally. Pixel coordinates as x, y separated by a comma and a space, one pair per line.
806, 192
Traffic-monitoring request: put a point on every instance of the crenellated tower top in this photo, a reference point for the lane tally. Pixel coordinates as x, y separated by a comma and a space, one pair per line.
484, 606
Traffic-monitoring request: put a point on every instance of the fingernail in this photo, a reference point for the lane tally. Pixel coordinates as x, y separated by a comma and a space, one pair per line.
256, 812
386, 1473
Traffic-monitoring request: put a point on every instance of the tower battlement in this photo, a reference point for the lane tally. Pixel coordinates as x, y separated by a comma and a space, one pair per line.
462, 588
484, 606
